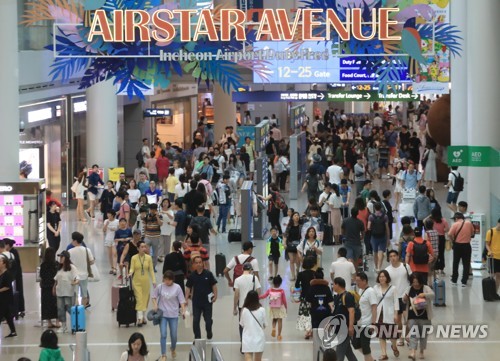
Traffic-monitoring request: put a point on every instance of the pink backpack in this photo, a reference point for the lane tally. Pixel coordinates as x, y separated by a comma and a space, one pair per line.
275, 299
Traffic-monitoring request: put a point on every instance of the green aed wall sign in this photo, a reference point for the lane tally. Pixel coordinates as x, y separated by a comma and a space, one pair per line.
472, 156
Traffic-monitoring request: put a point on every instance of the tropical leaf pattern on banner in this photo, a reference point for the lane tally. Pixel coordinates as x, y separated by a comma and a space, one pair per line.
135, 67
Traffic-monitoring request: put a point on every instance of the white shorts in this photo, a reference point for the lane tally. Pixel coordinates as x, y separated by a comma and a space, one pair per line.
252, 166
110, 243
91, 196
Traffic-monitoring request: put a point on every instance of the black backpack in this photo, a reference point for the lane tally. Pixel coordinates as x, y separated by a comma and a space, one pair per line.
378, 226
312, 183
139, 156
458, 185
420, 253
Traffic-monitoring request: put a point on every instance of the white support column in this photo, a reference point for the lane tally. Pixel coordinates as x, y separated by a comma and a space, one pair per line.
9, 91
459, 85
102, 126
483, 78
224, 111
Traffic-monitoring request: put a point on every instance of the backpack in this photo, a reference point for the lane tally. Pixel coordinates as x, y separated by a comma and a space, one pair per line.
279, 202
420, 253
378, 226
187, 222
357, 310
275, 299
238, 269
312, 183
215, 197
133, 217
310, 252
458, 185
139, 156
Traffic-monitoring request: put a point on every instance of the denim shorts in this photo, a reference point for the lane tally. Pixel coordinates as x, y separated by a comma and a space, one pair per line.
452, 198
379, 244
353, 252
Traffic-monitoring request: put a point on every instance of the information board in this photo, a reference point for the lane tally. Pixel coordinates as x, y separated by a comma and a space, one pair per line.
309, 62
297, 116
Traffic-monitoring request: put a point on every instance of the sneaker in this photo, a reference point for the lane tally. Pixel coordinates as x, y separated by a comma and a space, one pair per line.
209, 335
62, 330
12, 334
464, 285
454, 283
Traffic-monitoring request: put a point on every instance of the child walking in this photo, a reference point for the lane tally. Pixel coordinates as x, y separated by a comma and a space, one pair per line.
274, 247
110, 226
277, 305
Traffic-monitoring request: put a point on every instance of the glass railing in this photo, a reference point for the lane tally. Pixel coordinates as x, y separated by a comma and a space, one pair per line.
35, 37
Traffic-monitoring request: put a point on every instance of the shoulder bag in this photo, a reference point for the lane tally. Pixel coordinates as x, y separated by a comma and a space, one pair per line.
92, 270
255, 318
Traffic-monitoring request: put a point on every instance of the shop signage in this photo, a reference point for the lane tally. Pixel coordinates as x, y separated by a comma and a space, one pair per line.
152, 112
39, 115
114, 173
275, 24
431, 88
6, 188
331, 96
472, 156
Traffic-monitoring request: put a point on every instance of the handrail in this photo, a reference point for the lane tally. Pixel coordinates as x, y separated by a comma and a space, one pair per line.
216, 355
194, 354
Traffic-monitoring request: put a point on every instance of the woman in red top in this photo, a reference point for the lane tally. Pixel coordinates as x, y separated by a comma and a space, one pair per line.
442, 227
162, 165
417, 257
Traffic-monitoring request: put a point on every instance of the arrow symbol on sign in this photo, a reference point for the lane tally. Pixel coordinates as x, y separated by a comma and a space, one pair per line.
367, 96
320, 96
415, 96
354, 87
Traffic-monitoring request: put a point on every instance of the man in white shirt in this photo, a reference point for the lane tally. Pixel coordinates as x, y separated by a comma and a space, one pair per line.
368, 306
245, 283
334, 173
120, 182
145, 150
399, 273
79, 259
377, 121
343, 268
245, 257
275, 133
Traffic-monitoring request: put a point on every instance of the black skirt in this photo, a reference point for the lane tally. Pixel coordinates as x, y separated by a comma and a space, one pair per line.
49, 304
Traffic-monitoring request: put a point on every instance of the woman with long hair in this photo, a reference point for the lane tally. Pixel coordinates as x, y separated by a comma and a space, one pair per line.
311, 246
166, 229
291, 240
79, 194
303, 283
335, 204
48, 270
133, 193
398, 177
65, 280
137, 348
54, 226
387, 309
420, 298
167, 297
176, 263
181, 188
142, 275
6, 296
253, 321
442, 227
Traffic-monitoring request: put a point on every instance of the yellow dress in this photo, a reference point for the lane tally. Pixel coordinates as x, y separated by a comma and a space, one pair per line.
141, 269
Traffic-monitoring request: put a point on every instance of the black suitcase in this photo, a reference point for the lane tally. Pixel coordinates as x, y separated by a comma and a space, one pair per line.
220, 264
489, 284
328, 235
126, 313
234, 235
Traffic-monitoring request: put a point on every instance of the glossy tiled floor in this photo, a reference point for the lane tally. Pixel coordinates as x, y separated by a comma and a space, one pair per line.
106, 341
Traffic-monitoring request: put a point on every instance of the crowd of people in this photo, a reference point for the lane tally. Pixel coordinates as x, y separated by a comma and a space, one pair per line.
177, 198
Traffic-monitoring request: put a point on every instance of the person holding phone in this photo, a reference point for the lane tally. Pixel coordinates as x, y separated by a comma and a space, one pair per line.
201, 285
65, 280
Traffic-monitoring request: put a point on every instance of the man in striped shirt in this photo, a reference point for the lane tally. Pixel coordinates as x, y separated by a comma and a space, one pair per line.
152, 231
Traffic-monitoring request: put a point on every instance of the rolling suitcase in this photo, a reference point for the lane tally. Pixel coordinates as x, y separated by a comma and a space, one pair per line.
115, 291
234, 235
489, 285
328, 235
77, 318
126, 313
439, 292
220, 264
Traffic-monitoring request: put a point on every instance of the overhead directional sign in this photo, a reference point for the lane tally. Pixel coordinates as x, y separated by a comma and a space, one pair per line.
327, 96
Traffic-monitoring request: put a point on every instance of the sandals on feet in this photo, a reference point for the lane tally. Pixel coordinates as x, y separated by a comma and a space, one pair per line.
395, 350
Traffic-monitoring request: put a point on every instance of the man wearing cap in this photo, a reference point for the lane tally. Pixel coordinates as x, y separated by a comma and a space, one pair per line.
247, 282
245, 257
461, 233
79, 255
